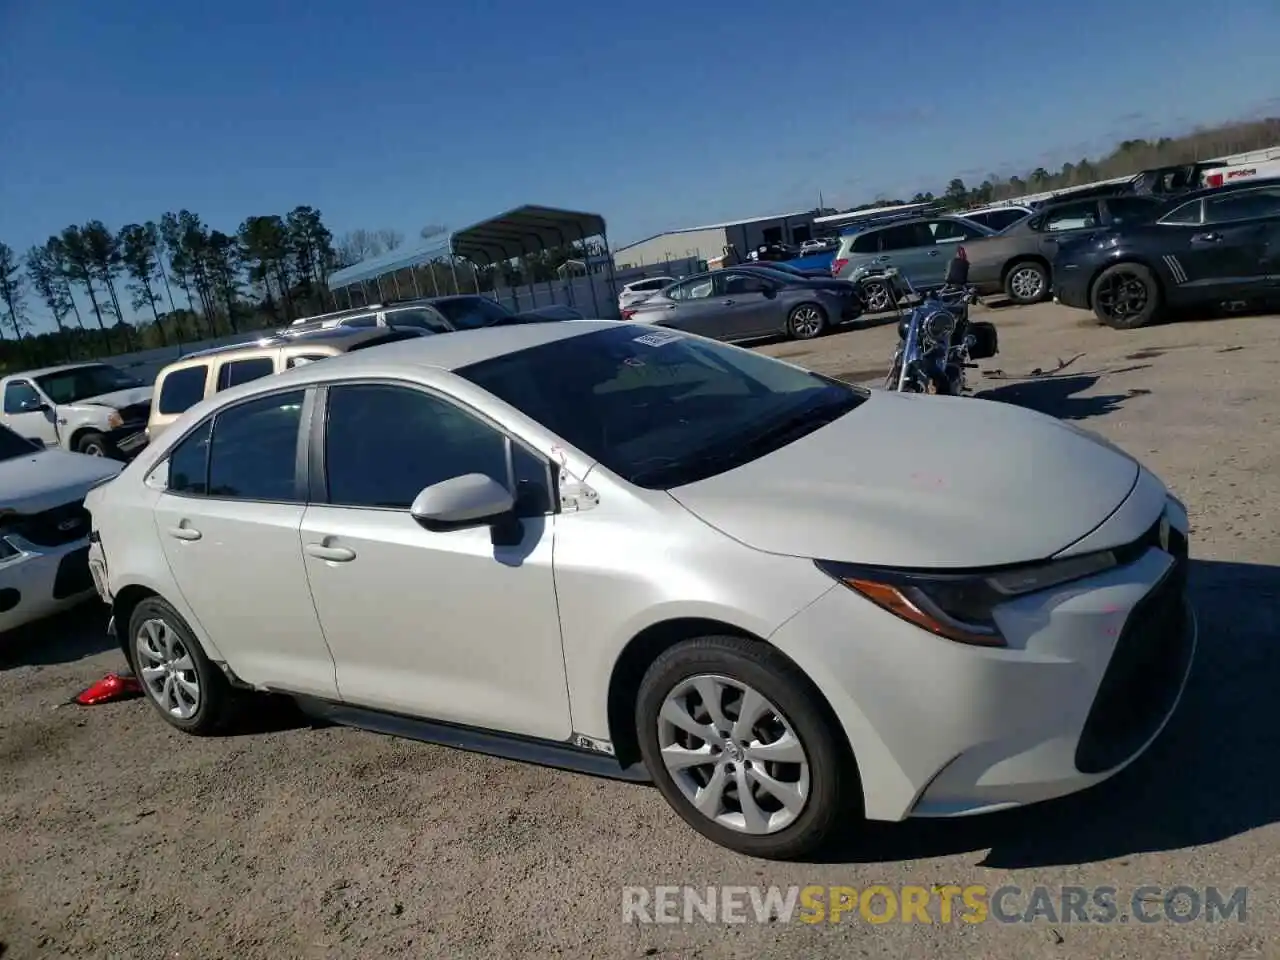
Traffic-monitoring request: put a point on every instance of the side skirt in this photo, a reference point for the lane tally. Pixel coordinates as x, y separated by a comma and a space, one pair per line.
546, 753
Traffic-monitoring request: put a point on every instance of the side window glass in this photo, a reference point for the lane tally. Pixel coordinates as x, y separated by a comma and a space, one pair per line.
1078, 216
867, 243
421, 319
361, 322
1186, 215
18, 394
236, 372
384, 444
253, 452
741, 283
900, 238
300, 359
1245, 205
189, 463
946, 231
183, 389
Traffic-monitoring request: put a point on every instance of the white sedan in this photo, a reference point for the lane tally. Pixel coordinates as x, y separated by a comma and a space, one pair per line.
44, 528
787, 600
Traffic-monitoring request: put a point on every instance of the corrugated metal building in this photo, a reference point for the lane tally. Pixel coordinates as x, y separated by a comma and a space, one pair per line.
709, 241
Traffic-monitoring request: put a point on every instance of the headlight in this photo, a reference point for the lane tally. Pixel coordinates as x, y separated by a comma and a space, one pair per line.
114, 420
959, 606
939, 324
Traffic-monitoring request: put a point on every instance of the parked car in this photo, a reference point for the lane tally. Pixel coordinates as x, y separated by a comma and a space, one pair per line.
436, 314
919, 248
183, 384
638, 290
44, 528
1218, 245
742, 303
1018, 261
671, 559
999, 218
772, 252
819, 245
91, 408
820, 273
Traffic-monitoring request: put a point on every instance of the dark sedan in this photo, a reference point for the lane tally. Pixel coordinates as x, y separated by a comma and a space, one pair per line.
1218, 245
744, 303
1017, 261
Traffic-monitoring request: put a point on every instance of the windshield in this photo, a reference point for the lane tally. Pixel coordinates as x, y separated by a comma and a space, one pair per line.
471, 313
81, 383
13, 446
662, 409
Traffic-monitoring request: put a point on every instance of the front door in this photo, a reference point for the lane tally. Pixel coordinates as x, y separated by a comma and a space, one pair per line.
24, 416
947, 235
459, 626
228, 520
1228, 252
909, 248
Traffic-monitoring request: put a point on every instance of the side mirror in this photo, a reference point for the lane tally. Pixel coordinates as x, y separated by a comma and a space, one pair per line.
35, 406
469, 500
770, 292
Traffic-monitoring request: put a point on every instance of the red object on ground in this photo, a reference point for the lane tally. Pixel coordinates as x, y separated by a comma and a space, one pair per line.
110, 688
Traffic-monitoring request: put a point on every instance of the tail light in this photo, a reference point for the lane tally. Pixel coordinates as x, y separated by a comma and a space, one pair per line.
837, 266
1214, 180
628, 313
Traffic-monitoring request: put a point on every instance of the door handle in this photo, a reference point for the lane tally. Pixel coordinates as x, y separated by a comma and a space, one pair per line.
185, 533
336, 554
727, 303
1207, 238
933, 253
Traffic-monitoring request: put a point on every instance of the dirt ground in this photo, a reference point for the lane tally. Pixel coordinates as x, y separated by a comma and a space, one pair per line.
122, 838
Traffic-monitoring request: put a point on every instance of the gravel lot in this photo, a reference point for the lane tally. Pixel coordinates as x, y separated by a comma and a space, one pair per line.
122, 838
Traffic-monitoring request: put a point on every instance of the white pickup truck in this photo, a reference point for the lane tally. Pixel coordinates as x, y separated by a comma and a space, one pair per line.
91, 408
44, 528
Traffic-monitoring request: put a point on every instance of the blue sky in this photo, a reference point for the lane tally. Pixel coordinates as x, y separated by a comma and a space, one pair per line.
397, 114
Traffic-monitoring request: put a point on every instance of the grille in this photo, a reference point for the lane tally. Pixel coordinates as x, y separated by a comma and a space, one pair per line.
53, 528
1144, 675
135, 412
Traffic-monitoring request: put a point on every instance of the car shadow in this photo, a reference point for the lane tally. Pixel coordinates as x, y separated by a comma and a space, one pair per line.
65, 638
1208, 777
1058, 396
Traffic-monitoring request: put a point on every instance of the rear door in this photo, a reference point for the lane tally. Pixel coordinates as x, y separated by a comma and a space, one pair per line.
909, 247
947, 235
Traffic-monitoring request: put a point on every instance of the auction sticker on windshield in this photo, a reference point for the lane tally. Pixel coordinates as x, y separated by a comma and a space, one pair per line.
657, 339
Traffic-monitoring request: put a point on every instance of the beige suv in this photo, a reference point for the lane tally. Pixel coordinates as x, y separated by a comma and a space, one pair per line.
183, 384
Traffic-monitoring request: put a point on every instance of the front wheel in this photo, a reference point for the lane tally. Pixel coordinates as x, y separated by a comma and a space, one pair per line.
737, 741
806, 322
93, 444
1125, 296
878, 296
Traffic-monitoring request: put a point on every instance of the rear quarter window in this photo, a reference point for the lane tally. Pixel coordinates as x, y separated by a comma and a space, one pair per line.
235, 372
865, 243
180, 390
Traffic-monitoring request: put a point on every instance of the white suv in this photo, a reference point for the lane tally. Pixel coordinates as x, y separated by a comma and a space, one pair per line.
639, 290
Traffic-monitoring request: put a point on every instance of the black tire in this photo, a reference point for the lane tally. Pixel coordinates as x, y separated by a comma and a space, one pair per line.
215, 694
1115, 295
835, 797
1027, 282
877, 296
807, 321
94, 444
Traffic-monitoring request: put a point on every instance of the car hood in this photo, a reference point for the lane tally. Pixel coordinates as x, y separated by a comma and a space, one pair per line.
922, 482
46, 479
553, 311
116, 399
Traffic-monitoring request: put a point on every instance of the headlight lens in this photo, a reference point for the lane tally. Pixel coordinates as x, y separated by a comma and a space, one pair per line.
114, 420
959, 606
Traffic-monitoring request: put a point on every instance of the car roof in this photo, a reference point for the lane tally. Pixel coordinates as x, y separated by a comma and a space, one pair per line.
340, 337
1234, 186
61, 368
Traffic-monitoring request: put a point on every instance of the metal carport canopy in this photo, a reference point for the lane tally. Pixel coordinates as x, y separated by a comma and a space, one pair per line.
527, 229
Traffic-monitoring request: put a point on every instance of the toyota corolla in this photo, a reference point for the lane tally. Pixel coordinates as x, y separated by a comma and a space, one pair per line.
787, 601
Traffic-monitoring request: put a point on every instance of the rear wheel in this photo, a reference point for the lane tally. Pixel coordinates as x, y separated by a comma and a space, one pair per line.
877, 296
806, 321
737, 741
180, 681
1125, 296
1027, 282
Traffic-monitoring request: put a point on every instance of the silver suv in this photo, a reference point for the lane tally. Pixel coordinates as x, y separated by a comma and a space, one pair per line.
919, 248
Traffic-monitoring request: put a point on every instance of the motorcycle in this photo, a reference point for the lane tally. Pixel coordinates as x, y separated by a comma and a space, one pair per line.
937, 342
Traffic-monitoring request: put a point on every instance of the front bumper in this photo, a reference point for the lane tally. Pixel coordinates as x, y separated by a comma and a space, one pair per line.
1071, 286
42, 581
1093, 671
